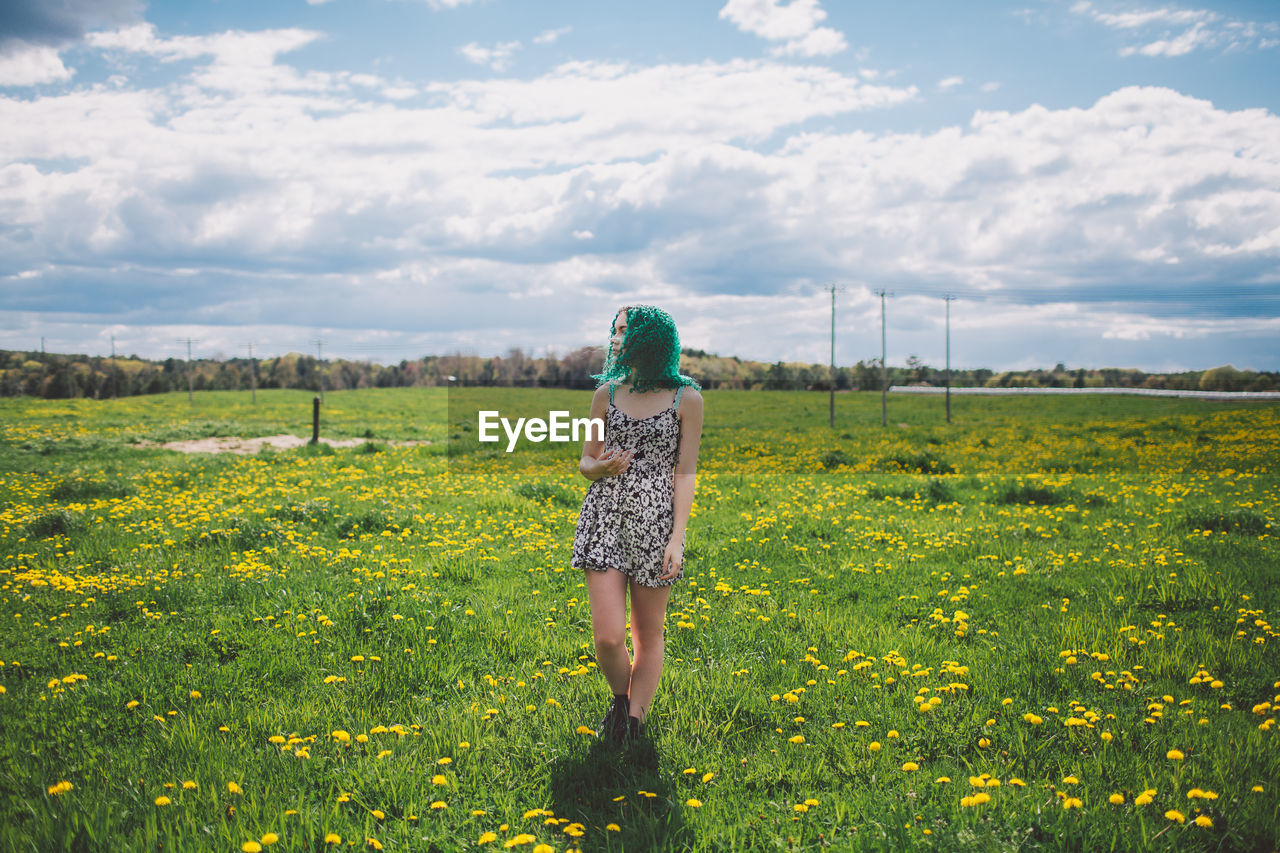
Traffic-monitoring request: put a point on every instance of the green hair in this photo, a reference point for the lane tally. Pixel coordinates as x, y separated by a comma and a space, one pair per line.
650, 355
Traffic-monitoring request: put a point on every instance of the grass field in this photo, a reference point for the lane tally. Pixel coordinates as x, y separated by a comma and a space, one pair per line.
1045, 626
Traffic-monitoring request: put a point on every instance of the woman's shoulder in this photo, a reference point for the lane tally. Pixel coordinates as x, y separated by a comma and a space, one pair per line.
690, 395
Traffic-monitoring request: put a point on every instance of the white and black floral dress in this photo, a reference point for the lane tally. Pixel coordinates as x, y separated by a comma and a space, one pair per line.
626, 521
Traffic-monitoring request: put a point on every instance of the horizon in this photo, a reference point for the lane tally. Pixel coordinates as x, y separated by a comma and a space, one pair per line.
1095, 181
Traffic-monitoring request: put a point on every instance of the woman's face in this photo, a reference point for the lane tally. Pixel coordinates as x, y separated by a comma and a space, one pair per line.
619, 332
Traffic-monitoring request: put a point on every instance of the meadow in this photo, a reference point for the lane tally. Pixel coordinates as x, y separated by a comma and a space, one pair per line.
1044, 626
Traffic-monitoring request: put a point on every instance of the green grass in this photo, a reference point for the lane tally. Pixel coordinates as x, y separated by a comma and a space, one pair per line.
325, 627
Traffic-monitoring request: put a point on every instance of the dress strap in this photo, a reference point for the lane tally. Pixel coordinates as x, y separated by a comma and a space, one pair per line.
679, 391
611, 387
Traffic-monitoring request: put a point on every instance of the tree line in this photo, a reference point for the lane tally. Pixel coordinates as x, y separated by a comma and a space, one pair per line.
56, 376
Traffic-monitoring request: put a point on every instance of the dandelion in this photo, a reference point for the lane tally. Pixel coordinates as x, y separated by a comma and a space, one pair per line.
612, 827
195, 694
439, 804
1256, 789
893, 733
269, 838
874, 746
910, 767
233, 788
374, 843
162, 800
1203, 820
707, 777
59, 788
486, 837
378, 813
1116, 799
189, 785
583, 730
800, 807
1070, 780
544, 848
341, 735
439, 779
796, 739
1174, 814
1072, 803
516, 841
942, 780
333, 838
251, 847
1033, 719
384, 753
1174, 755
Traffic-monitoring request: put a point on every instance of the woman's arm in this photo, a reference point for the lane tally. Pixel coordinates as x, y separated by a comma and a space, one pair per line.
685, 480
594, 463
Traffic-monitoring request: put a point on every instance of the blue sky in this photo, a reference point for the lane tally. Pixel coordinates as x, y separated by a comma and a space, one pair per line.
1096, 181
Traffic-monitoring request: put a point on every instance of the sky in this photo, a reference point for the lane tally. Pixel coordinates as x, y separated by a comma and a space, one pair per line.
1095, 182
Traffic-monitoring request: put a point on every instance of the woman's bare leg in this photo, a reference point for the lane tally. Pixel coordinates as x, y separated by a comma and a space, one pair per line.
607, 592
648, 612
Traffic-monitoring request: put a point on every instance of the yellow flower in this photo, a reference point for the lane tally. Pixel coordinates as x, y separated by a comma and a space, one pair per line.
195, 694
384, 753
583, 730
800, 807
707, 777
439, 804
59, 788
1033, 719
1070, 780
910, 767
341, 735
1256, 789
439, 779
613, 827
1116, 799
374, 843
693, 803
874, 746
378, 813
486, 837
357, 658
233, 788
1203, 820
1174, 755
522, 838
445, 760
942, 780
1174, 814
544, 848
333, 838
269, 838
162, 800
362, 738
811, 803
1072, 803
796, 739
132, 703
893, 733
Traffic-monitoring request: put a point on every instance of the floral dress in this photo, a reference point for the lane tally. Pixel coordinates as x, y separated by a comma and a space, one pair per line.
626, 521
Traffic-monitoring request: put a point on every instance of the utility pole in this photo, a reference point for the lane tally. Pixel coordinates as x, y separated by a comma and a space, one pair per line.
949, 299
831, 409
320, 355
114, 380
884, 371
188, 342
253, 374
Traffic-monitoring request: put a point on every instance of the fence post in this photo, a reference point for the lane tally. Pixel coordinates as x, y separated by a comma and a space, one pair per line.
315, 420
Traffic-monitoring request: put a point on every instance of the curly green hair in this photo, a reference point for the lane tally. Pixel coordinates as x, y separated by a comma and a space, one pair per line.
650, 353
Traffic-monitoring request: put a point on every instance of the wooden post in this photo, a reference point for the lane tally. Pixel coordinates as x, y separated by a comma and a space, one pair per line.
315, 420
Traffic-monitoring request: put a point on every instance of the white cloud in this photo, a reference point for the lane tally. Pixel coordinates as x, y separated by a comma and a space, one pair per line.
551, 36
498, 57
447, 4
795, 24
1182, 31
947, 83
203, 202
32, 65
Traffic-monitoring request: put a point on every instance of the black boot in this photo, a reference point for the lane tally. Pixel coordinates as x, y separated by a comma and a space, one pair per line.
613, 727
635, 730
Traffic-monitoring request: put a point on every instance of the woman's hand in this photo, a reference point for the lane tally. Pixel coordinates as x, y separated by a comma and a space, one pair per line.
672, 560
611, 464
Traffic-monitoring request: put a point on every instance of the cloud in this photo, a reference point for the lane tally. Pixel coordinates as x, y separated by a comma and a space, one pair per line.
551, 36
1181, 31
795, 24
57, 23
247, 192
498, 57
947, 83
31, 66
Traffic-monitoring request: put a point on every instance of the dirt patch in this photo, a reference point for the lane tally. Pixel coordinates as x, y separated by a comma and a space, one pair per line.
245, 446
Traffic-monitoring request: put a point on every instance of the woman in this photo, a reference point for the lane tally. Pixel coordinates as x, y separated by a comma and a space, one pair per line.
630, 533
